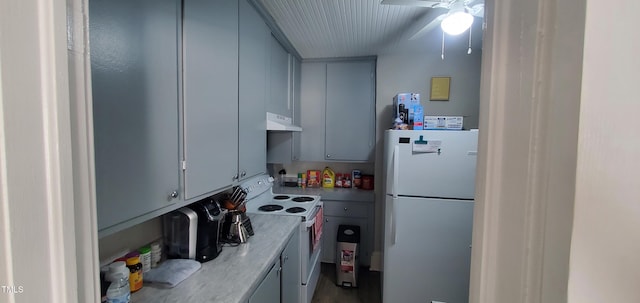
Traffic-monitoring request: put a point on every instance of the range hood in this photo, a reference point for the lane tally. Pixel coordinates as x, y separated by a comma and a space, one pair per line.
277, 122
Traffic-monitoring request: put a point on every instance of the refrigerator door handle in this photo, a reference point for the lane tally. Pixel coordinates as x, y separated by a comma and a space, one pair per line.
396, 169
393, 221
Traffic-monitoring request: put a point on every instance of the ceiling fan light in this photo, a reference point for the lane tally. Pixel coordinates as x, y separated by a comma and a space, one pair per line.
456, 23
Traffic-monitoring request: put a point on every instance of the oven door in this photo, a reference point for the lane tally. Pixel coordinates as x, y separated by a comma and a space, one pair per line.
310, 253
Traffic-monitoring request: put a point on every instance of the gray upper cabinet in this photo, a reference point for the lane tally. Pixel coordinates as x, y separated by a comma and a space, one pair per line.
254, 64
134, 70
279, 90
313, 99
296, 70
350, 111
210, 58
338, 111
284, 147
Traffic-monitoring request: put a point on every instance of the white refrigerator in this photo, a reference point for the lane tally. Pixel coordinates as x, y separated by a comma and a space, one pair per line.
428, 213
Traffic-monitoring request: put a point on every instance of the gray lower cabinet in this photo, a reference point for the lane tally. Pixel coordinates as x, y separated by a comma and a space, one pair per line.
134, 70
338, 111
210, 79
291, 277
254, 63
269, 289
282, 283
338, 213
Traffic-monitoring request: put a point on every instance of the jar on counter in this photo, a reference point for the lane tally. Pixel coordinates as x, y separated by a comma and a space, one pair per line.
145, 258
156, 254
135, 273
338, 180
367, 182
346, 183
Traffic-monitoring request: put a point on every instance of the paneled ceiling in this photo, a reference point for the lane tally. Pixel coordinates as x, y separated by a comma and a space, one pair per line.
342, 28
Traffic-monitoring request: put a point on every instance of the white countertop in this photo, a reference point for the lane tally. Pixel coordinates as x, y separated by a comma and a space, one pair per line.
236, 272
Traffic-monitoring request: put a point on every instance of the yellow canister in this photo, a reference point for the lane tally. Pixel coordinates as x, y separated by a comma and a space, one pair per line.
135, 273
328, 178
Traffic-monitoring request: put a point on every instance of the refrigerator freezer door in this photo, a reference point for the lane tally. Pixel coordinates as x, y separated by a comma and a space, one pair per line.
431, 256
447, 171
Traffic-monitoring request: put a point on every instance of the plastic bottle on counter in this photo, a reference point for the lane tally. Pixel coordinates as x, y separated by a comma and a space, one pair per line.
304, 180
135, 273
328, 178
156, 254
119, 290
145, 258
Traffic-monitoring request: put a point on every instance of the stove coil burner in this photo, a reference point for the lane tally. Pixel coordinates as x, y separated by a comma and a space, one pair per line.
295, 210
302, 199
281, 197
270, 207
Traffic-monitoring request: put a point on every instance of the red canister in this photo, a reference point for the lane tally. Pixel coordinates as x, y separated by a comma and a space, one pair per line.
367, 182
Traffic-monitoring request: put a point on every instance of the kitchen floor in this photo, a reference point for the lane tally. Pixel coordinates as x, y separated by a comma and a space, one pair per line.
327, 291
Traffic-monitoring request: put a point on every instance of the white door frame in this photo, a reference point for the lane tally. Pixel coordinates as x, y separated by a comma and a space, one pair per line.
529, 114
48, 236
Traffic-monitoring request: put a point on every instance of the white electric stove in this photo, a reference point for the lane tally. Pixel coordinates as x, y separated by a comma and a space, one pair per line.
262, 200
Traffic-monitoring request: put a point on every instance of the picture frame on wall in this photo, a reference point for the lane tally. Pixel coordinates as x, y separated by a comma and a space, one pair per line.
440, 88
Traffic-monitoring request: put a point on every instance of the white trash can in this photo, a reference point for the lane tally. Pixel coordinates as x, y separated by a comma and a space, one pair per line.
347, 255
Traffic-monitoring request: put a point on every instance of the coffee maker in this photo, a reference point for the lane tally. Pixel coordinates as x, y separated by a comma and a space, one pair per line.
193, 232
210, 220
180, 233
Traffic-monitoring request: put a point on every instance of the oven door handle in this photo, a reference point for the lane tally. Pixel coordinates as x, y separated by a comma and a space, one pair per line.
312, 221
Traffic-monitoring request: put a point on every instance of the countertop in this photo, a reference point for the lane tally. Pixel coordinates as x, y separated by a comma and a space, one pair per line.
236, 272
337, 194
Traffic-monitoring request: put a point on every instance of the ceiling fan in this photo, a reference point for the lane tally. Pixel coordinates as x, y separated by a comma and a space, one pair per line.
442, 13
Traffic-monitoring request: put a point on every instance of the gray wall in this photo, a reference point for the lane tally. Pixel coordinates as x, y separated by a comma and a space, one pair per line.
129, 239
409, 68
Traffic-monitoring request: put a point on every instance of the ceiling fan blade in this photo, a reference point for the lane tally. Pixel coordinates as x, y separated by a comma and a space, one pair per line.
476, 10
429, 27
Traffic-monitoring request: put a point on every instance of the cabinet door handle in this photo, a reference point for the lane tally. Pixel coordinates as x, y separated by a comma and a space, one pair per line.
173, 195
235, 177
279, 270
244, 173
346, 209
328, 156
285, 259
326, 220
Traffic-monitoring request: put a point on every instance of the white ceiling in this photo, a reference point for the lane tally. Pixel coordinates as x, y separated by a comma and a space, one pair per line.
343, 28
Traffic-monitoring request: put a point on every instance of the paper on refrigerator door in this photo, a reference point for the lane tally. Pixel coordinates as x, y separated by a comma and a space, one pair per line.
431, 146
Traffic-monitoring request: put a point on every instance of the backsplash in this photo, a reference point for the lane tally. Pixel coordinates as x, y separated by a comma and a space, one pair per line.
294, 168
130, 239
